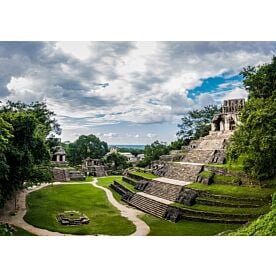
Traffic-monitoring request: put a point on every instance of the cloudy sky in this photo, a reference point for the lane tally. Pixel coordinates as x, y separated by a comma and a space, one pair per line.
126, 92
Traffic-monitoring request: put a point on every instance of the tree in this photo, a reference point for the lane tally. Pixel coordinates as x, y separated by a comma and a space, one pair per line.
117, 162
52, 142
254, 142
26, 154
5, 135
153, 152
86, 146
260, 81
177, 144
197, 123
255, 139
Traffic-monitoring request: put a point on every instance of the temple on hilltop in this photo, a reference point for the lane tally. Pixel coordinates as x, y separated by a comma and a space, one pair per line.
228, 119
211, 148
194, 165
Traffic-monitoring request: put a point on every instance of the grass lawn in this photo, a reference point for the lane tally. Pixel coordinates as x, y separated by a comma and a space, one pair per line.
225, 210
87, 179
18, 231
21, 232
159, 227
236, 191
145, 175
45, 204
106, 181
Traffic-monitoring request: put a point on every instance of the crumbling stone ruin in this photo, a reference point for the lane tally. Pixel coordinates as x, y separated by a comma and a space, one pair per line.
170, 196
60, 170
94, 167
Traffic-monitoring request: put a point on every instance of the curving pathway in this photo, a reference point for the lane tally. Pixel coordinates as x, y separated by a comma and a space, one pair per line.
142, 229
131, 214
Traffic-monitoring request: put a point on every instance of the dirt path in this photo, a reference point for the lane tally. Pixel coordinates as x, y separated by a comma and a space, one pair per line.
141, 227
18, 220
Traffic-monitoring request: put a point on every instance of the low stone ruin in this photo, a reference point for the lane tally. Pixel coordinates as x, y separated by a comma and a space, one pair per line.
94, 167
72, 218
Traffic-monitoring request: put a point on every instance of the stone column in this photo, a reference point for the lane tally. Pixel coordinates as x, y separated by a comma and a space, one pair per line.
63, 158
221, 127
57, 158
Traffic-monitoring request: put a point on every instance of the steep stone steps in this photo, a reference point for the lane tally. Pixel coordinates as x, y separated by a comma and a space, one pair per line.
148, 205
199, 156
163, 190
212, 144
177, 170
130, 181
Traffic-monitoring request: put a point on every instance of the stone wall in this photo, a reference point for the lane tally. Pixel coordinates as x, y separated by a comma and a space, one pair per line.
244, 178
61, 175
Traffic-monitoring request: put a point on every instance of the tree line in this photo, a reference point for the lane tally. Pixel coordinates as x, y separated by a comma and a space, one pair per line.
24, 151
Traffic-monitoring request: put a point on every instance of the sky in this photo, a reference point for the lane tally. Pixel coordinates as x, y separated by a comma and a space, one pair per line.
126, 92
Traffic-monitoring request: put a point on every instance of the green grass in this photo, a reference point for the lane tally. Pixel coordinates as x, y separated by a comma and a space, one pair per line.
106, 181
21, 232
233, 166
225, 178
17, 231
159, 227
127, 185
263, 226
145, 175
45, 204
206, 174
87, 179
225, 210
237, 191
231, 201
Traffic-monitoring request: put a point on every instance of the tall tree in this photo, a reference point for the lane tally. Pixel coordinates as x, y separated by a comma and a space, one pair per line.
255, 138
153, 152
117, 162
27, 155
86, 146
260, 81
196, 123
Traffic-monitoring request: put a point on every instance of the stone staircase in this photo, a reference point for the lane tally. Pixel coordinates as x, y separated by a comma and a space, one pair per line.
207, 149
180, 171
199, 156
148, 205
163, 190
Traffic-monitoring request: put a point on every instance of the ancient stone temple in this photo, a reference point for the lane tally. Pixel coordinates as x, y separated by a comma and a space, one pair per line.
228, 119
59, 156
61, 171
94, 167
208, 149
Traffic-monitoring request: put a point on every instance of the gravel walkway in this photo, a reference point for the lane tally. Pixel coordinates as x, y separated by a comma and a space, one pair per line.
142, 228
18, 220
